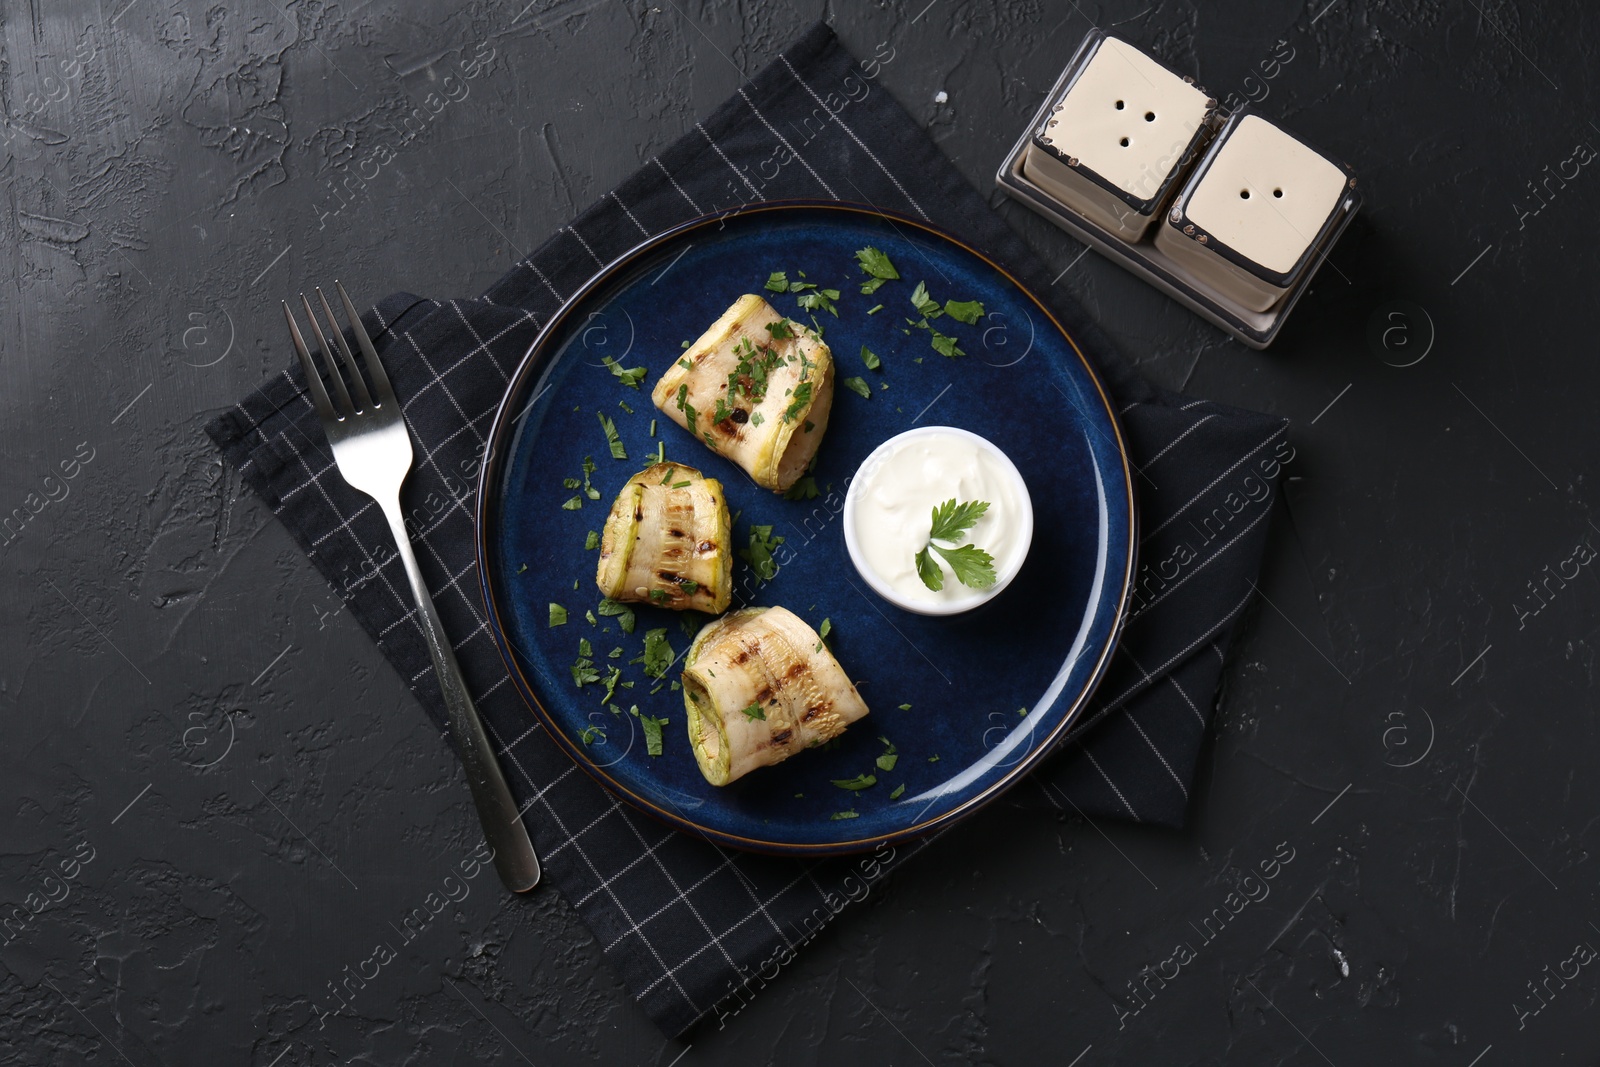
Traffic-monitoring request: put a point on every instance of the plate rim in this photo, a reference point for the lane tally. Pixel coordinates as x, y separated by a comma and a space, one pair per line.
494, 456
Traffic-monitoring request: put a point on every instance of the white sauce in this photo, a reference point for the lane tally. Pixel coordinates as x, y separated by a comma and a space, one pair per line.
895, 492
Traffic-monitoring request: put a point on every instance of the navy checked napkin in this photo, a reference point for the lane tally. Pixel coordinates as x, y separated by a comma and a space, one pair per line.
694, 928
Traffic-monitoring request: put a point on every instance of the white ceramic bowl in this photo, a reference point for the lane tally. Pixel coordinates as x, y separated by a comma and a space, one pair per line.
956, 598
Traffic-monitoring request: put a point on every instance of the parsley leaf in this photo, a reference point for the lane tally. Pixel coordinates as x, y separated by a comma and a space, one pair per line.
858, 386
967, 311
781, 330
777, 282
951, 520
858, 783
844, 815
870, 358
592, 541
927, 305
573, 505
901, 788
629, 376
973, 566
754, 712
623, 614
610, 428
590, 733
558, 614
889, 758
825, 629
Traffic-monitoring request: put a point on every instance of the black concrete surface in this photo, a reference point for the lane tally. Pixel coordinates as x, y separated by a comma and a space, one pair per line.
216, 796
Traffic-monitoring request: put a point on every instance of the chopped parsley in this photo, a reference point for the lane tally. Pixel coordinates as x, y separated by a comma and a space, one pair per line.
874, 309
870, 358
584, 647
972, 566
623, 614
933, 758
613, 676
590, 733
573, 505
905, 707
901, 788
759, 554
782, 330
801, 401
804, 489
945, 346
859, 387
858, 783
657, 655
658, 596
629, 376
967, 311
825, 629
583, 672
751, 373
777, 282
683, 402
588, 468
754, 712
652, 733
877, 267
844, 815
819, 300
927, 305
558, 614
623, 404
610, 428
889, 757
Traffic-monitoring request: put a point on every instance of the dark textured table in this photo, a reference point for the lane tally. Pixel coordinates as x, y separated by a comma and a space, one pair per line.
218, 797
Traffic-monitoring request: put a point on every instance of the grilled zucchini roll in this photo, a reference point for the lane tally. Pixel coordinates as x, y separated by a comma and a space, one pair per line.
756, 388
759, 685
667, 541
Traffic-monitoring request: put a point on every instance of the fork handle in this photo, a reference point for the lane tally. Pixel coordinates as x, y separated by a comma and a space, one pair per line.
514, 856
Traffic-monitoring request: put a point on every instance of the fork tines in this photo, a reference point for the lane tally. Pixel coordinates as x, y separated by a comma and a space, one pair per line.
363, 400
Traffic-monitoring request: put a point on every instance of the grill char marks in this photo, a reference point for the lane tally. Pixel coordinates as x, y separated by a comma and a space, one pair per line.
768, 658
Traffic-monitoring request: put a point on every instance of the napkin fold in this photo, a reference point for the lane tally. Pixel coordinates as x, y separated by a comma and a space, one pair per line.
692, 927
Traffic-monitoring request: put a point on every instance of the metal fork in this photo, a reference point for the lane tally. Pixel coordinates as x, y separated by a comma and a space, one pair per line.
373, 451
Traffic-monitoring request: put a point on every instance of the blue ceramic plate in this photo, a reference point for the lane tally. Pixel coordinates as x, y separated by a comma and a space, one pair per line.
968, 703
